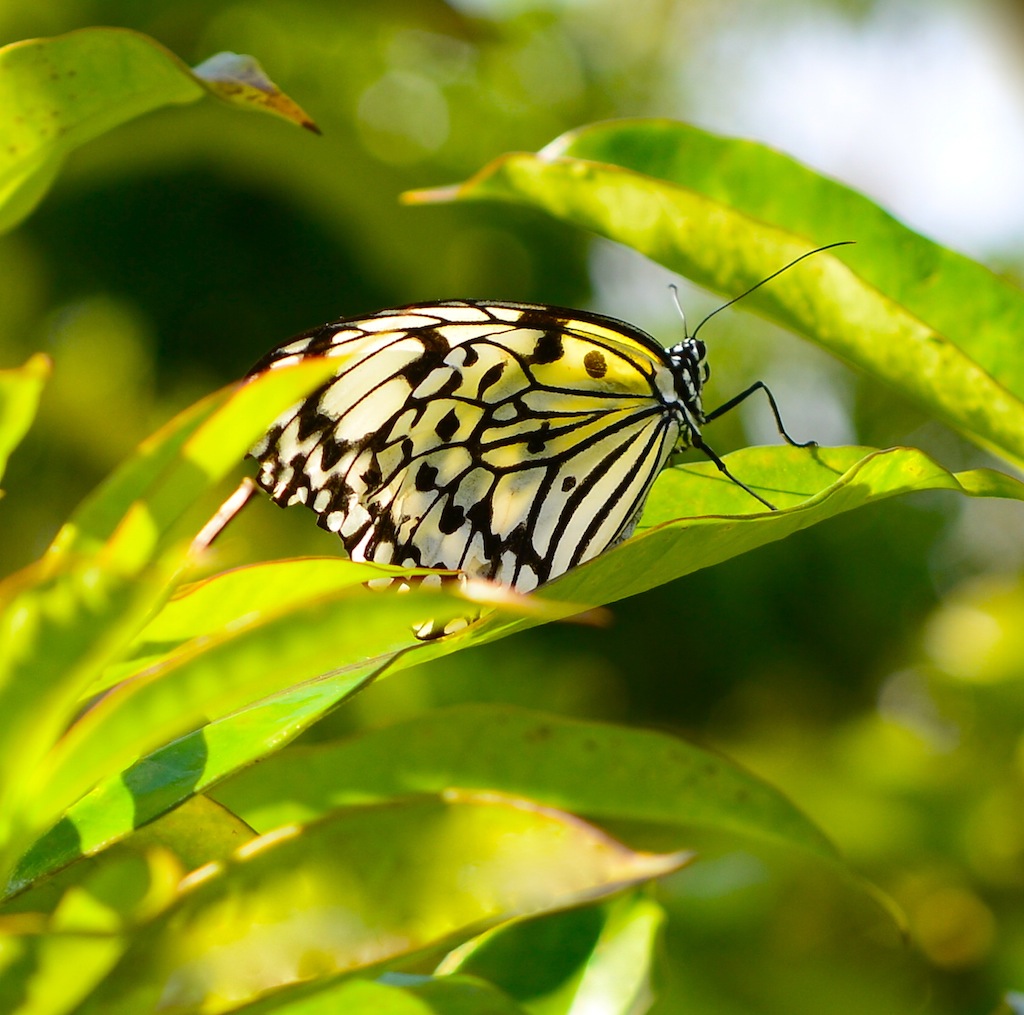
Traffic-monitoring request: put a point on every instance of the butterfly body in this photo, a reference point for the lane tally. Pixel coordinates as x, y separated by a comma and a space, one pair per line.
511, 441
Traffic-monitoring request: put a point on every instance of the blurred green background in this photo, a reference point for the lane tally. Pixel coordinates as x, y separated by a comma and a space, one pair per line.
870, 667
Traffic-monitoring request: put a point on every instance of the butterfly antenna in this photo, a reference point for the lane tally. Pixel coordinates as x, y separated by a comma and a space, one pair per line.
674, 289
774, 274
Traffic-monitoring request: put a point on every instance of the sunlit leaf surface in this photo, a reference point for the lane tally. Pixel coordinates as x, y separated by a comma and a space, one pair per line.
370, 885
728, 213
352, 635
399, 994
695, 517
184, 458
601, 771
20, 390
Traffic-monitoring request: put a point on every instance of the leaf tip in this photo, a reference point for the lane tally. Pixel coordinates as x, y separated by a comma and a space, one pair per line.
432, 195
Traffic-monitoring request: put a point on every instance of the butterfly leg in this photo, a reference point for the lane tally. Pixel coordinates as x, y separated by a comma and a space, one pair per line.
759, 386
699, 444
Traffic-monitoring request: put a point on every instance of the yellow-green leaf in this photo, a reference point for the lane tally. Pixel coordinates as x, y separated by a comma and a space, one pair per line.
58, 93
728, 213
20, 390
368, 886
606, 773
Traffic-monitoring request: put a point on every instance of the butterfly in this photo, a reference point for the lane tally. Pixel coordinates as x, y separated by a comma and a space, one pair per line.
509, 441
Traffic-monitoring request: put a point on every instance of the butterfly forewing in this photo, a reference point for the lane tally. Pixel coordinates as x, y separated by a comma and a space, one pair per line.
507, 440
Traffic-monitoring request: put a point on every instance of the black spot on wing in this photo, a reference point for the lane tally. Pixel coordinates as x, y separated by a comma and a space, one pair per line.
372, 477
491, 377
480, 517
311, 419
331, 451
568, 483
535, 445
452, 519
448, 426
426, 477
548, 349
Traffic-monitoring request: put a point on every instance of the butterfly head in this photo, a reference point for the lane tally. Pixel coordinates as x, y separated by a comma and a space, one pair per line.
690, 370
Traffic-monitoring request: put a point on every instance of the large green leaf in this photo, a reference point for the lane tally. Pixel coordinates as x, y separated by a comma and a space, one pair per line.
695, 517
370, 885
728, 213
20, 390
217, 604
352, 634
69, 616
222, 602
479, 746
219, 643
56, 94
162, 780
606, 773
56, 633
837, 480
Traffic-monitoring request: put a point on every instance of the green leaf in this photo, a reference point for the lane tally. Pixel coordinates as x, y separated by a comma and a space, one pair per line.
66, 618
240, 629
198, 832
56, 94
57, 632
727, 213
20, 390
368, 886
172, 774
49, 963
197, 449
48, 974
829, 480
585, 960
395, 994
209, 607
352, 634
695, 517
225, 601
606, 773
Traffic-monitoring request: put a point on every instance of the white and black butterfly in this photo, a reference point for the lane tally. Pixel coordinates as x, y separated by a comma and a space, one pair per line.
509, 441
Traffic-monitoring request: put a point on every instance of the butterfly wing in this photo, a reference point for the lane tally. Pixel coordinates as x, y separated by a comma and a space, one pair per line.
510, 441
